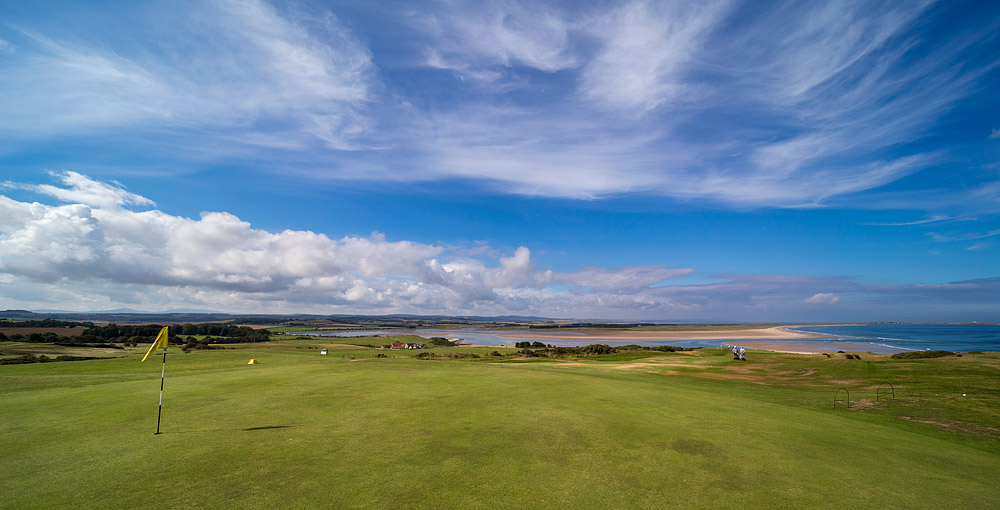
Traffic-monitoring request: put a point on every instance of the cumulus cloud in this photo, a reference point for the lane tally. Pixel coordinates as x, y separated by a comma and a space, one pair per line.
102, 247
97, 239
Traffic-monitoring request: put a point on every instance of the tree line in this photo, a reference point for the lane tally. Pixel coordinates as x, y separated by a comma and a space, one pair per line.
42, 323
108, 336
223, 333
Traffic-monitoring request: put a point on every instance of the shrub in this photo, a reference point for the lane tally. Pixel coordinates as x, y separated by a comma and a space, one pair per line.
921, 354
598, 349
28, 358
495, 354
20, 360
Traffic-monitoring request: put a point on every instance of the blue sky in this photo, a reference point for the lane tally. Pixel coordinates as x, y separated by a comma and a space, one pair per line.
704, 161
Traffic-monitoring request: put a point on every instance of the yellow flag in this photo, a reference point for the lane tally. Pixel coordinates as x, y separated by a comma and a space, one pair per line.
161, 341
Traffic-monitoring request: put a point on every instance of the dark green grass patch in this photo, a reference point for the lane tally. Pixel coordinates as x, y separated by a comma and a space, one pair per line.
922, 354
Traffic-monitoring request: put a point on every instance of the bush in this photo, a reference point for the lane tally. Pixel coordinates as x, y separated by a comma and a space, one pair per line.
921, 354
598, 349
441, 342
495, 354
28, 358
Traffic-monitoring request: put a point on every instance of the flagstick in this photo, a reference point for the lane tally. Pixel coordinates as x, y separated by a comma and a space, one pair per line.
162, 373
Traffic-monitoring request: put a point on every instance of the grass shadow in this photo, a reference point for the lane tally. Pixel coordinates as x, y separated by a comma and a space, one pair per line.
269, 427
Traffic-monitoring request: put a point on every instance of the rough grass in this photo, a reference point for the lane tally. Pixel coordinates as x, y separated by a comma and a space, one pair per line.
680, 430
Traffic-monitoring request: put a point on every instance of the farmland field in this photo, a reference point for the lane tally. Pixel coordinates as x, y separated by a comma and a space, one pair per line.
633, 429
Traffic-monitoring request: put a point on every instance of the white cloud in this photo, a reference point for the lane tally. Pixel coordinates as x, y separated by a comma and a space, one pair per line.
89, 192
475, 39
104, 255
995, 135
963, 236
258, 72
790, 106
101, 241
645, 47
823, 298
812, 96
630, 277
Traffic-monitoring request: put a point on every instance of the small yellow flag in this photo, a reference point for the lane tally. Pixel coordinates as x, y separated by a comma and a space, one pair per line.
161, 341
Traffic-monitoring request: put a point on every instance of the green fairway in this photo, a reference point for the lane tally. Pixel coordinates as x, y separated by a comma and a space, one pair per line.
644, 430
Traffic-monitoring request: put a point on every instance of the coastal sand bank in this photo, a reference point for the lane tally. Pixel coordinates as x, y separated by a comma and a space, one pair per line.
777, 339
776, 333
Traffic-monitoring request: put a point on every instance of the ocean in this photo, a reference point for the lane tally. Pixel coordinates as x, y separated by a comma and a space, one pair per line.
915, 337
875, 337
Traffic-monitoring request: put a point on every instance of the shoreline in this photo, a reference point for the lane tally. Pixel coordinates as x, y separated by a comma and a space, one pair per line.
775, 339
775, 333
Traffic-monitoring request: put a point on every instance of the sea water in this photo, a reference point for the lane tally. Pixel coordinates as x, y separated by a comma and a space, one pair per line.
914, 337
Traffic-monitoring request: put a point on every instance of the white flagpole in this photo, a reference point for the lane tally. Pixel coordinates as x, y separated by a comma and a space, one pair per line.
163, 372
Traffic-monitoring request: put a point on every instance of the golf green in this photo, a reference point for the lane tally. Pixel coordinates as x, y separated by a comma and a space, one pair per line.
301, 430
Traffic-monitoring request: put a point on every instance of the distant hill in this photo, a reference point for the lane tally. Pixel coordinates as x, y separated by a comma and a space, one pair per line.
20, 314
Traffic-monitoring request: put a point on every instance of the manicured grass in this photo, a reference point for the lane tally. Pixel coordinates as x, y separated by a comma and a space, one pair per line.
652, 430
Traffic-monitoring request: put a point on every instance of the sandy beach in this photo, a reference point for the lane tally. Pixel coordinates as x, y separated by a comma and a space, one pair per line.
776, 333
777, 339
